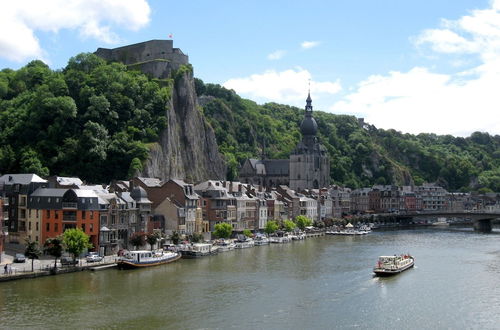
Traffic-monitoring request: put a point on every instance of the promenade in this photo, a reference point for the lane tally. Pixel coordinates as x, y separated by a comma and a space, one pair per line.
41, 267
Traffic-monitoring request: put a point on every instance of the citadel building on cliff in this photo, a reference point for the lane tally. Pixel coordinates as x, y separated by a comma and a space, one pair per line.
307, 168
156, 58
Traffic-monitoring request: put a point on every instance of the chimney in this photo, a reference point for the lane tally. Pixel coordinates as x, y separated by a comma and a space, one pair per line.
230, 186
239, 187
131, 185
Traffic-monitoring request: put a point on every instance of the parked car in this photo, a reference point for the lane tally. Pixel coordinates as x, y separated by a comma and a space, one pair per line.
94, 257
19, 257
65, 261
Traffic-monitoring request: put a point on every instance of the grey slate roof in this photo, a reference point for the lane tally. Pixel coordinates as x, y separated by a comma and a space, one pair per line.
151, 182
67, 181
276, 166
21, 179
49, 192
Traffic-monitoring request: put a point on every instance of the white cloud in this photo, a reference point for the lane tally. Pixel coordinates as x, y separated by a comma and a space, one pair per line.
420, 100
276, 55
289, 86
309, 44
91, 18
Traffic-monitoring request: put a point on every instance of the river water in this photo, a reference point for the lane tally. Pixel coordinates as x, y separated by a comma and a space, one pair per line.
319, 283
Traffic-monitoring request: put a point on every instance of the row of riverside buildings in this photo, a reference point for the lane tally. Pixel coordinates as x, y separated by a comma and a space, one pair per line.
32, 208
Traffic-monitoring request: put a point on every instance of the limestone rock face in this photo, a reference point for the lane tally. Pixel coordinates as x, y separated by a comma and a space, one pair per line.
187, 148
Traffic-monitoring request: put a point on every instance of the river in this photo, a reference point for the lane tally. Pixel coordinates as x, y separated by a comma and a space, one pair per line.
319, 283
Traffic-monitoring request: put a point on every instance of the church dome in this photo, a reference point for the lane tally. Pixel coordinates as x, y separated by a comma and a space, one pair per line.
308, 126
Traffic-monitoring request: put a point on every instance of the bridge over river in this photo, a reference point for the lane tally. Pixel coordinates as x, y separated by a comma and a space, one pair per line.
481, 220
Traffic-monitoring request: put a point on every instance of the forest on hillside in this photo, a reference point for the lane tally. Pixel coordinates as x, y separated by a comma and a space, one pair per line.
96, 120
91, 119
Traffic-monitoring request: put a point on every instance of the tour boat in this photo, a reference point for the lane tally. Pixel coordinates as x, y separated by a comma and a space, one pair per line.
144, 258
390, 265
197, 250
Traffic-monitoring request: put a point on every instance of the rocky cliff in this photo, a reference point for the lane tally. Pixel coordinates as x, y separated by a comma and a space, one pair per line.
187, 148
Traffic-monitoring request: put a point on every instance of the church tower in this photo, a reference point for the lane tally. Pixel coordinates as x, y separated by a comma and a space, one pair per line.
309, 162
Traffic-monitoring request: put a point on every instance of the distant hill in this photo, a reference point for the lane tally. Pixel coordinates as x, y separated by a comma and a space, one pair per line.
101, 121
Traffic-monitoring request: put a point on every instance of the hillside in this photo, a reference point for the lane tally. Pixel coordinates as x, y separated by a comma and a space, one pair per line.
361, 154
101, 121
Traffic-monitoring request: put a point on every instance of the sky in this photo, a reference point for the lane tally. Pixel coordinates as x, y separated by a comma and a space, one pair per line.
428, 66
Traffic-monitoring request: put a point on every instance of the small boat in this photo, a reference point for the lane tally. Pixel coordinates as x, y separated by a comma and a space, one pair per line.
244, 243
391, 265
197, 250
261, 240
441, 222
225, 246
279, 239
144, 258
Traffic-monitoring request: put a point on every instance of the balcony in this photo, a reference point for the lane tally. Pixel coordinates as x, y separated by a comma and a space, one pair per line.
67, 205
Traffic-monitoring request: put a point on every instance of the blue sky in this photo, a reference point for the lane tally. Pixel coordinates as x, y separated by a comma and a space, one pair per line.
415, 66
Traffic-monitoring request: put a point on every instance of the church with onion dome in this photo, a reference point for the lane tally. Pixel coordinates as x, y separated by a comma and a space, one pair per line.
307, 168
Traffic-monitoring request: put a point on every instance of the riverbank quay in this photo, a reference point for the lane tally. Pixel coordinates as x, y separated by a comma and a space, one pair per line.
49, 271
44, 266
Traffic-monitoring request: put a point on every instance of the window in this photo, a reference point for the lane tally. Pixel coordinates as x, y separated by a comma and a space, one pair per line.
56, 215
57, 200
56, 227
29, 226
48, 213
47, 227
91, 227
91, 215
36, 226
83, 215
48, 199
83, 227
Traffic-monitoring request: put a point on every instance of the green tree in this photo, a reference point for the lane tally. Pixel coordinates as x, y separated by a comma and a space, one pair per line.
289, 225
54, 247
32, 252
247, 233
223, 230
271, 227
76, 241
197, 238
135, 167
30, 163
175, 237
138, 239
302, 221
152, 238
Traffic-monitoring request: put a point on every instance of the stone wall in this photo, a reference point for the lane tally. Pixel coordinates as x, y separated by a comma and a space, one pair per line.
157, 56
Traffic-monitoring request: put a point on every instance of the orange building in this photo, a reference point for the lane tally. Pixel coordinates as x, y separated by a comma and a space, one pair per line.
60, 209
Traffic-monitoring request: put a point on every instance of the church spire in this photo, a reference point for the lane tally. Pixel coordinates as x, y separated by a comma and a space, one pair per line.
309, 100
